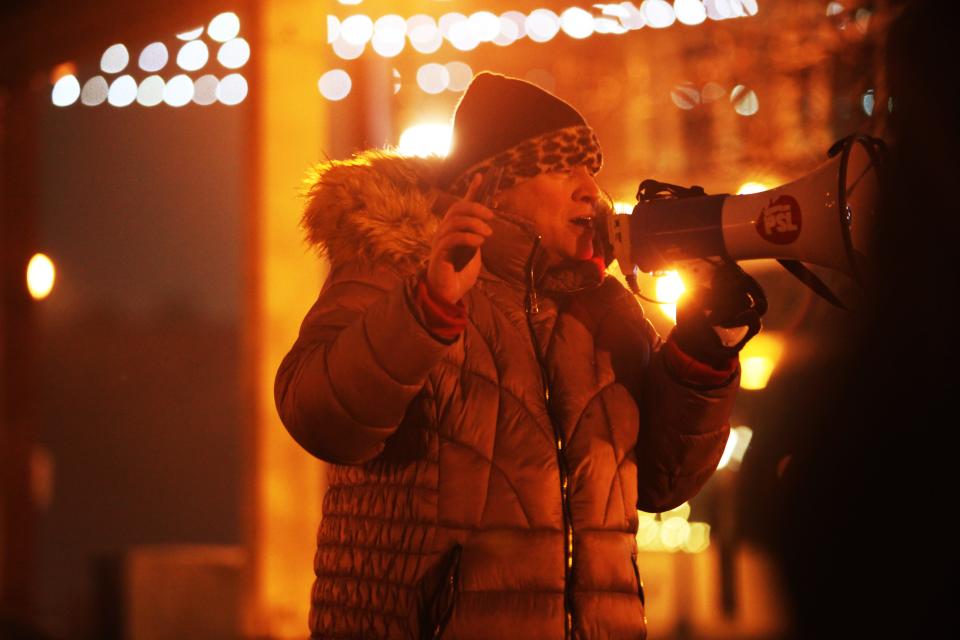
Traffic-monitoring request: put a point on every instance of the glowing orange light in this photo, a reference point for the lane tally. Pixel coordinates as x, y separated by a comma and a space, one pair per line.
425, 140
759, 359
61, 70
669, 289
752, 187
736, 447
41, 275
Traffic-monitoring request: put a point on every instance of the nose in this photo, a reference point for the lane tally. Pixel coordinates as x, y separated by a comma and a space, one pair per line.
586, 189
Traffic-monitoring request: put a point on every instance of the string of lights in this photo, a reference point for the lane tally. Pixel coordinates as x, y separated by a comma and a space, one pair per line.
116, 85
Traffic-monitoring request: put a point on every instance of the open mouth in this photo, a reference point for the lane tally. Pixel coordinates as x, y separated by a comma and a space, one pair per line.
583, 221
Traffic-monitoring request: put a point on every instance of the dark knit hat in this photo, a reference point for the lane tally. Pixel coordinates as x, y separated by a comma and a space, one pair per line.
510, 123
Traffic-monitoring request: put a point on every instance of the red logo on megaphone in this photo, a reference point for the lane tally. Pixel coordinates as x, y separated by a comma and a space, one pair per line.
780, 220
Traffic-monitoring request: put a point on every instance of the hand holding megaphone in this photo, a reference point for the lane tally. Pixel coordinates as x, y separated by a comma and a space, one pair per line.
719, 313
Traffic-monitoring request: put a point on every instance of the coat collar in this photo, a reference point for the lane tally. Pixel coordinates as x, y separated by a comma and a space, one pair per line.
514, 254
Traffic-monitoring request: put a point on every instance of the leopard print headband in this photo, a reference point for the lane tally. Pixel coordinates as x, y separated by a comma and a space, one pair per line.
558, 150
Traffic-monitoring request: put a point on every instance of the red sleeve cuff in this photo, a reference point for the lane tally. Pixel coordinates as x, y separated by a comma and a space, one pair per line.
443, 319
692, 371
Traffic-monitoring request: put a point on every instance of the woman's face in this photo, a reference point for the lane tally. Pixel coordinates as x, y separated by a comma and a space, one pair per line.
562, 206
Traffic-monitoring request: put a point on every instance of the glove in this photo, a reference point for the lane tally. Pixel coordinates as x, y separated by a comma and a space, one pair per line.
733, 299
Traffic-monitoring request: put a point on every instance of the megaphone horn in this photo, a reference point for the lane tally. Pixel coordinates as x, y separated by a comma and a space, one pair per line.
823, 218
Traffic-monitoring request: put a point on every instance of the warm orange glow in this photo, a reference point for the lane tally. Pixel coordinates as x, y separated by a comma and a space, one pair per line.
674, 532
758, 360
426, 139
736, 447
61, 70
752, 187
671, 531
683, 511
41, 275
648, 530
698, 538
669, 289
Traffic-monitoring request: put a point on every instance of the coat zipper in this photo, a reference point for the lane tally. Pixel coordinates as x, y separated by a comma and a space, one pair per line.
532, 307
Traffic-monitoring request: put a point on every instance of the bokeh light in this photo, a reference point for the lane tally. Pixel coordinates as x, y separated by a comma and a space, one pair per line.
335, 84
759, 358
711, 92
63, 69
462, 35
205, 89
94, 91
193, 55
484, 25
690, 12
123, 91
698, 538
389, 35
178, 91
347, 50
658, 14
333, 29
433, 78
424, 34
232, 89
233, 54
154, 57
223, 27
150, 92
356, 29
576, 23
685, 95
683, 511
66, 91
446, 22
669, 288
542, 25
674, 532
41, 275
744, 100
510, 29
648, 529
736, 447
752, 187
426, 139
397, 81
867, 102
192, 34
114, 59
460, 75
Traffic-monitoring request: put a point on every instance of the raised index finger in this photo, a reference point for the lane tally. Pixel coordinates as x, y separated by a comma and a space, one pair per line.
475, 183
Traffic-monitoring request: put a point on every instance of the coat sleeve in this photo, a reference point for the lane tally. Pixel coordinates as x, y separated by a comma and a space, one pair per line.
684, 426
362, 355
684, 418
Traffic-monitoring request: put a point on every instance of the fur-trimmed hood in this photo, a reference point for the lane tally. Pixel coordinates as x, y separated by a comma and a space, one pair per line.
377, 207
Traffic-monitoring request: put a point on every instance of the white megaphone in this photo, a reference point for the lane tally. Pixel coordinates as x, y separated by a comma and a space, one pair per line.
823, 218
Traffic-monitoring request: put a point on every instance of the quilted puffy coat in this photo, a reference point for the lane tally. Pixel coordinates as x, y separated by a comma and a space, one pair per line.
486, 487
